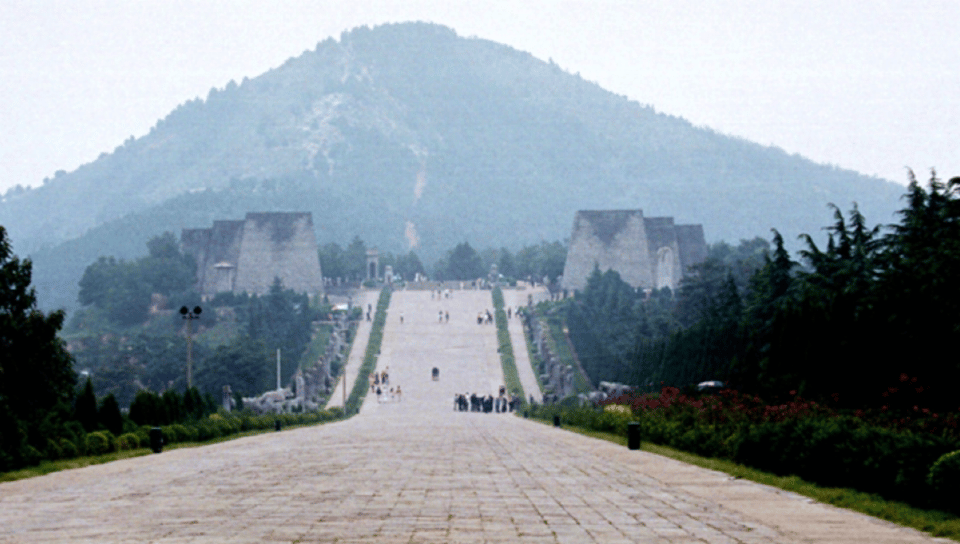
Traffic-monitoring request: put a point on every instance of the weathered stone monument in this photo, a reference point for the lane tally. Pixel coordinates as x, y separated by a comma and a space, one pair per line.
246, 256
373, 264
648, 253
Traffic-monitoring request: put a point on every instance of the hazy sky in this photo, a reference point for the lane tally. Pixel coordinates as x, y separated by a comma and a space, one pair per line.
873, 86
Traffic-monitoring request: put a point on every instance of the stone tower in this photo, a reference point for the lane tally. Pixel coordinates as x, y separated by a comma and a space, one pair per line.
648, 253
246, 256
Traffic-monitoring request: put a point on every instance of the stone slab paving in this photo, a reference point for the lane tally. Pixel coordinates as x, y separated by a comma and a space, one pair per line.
515, 298
416, 471
357, 350
464, 352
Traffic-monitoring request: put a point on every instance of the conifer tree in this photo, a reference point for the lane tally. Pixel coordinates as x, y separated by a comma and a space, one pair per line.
36, 371
85, 410
109, 415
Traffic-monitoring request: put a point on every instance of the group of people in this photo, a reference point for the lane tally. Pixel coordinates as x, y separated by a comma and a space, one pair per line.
487, 317
438, 294
378, 384
478, 403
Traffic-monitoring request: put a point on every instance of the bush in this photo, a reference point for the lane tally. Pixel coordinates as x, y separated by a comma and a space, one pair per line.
68, 449
99, 442
143, 435
53, 450
30, 455
128, 441
944, 477
178, 433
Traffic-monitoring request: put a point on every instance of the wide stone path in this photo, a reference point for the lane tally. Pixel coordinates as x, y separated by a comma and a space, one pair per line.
416, 471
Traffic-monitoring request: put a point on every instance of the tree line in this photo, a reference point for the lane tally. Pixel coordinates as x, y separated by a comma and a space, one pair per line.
461, 263
867, 321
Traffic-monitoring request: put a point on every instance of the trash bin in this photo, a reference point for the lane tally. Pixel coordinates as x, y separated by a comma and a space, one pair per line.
277, 424
556, 421
156, 439
633, 435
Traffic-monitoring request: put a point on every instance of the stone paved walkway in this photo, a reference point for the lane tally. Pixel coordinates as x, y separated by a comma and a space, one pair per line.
357, 350
515, 298
416, 471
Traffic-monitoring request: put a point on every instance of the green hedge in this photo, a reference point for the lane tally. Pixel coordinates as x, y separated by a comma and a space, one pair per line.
505, 348
210, 428
360, 386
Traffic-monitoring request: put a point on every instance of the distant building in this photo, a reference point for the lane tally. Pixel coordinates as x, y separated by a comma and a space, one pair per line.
648, 253
246, 256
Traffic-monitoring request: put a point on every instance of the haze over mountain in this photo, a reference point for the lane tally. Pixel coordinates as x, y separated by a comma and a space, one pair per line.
412, 137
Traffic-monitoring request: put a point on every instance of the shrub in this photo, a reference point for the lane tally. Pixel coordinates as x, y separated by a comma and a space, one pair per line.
944, 475
30, 455
99, 442
143, 434
128, 441
178, 433
68, 449
53, 450
187, 433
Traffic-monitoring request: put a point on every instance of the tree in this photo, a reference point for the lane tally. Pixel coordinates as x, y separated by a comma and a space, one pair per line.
355, 260
463, 263
148, 409
765, 308
507, 264
36, 371
85, 410
166, 270
409, 265
333, 261
245, 365
282, 320
109, 415
123, 289
537, 261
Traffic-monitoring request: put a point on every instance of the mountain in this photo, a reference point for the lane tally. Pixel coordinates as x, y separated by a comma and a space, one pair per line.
411, 136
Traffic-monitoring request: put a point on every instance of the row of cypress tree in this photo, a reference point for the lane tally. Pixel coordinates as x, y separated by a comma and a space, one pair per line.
869, 320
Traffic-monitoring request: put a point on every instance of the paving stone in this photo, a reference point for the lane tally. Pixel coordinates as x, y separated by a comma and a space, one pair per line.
416, 471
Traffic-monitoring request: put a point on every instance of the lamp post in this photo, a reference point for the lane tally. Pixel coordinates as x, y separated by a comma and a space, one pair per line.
189, 315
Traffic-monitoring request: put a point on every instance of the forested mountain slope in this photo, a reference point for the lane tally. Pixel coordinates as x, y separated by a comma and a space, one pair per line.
410, 136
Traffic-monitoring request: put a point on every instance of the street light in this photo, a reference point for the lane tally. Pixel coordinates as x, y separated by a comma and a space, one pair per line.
190, 316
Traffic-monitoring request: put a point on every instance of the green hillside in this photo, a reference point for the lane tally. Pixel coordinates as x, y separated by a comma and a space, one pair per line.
408, 135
